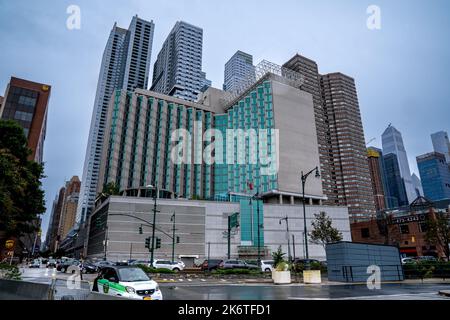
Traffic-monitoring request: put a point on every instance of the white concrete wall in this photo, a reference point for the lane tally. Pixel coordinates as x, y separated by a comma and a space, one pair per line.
298, 148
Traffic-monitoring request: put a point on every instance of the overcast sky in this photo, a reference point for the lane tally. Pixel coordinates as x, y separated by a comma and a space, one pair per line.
402, 71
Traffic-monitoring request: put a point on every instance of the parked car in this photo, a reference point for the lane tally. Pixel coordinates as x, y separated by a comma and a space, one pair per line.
35, 264
127, 282
63, 266
267, 265
140, 262
212, 264
88, 267
103, 263
51, 263
167, 264
238, 264
408, 260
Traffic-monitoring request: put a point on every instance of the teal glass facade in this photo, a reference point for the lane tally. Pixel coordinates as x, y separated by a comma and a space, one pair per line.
252, 112
249, 222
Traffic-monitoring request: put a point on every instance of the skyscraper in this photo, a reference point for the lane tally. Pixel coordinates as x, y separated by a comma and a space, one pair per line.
395, 191
69, 207
441, 144
392, 142
239, 70
349, 166
125, 65
27, 102
178, 68
376, 167
343, 155
417, 185
435, 175
53, 226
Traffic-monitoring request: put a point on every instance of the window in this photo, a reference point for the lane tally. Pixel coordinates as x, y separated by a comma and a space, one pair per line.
404, 229
423, 227
365, 233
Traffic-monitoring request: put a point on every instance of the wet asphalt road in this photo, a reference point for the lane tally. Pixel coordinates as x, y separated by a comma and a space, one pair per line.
227, 291
397, 291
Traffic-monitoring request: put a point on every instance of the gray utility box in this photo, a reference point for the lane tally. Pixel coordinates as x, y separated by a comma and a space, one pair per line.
349, 261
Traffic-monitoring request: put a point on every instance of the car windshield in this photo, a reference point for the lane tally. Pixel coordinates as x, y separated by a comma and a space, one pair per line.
132, 275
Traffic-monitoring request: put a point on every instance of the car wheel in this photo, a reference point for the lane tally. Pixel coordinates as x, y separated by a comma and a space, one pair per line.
267, 270
176, 269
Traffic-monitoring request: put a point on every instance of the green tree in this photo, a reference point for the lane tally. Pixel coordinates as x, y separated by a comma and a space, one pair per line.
21, 194
111, 189
323, 231
438, 232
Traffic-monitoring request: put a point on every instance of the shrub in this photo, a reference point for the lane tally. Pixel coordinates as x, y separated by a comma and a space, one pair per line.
235, 271
278, 257
282, 266
10, 272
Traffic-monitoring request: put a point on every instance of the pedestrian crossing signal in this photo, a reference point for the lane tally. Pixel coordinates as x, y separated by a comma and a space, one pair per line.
158, 243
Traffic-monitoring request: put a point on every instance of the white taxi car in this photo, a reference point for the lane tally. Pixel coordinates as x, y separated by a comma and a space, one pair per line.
127, 282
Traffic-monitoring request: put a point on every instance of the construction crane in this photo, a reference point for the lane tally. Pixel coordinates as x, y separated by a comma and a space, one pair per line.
373, 139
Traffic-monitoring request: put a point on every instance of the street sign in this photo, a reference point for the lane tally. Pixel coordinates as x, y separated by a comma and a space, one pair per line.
9, 244
234, 221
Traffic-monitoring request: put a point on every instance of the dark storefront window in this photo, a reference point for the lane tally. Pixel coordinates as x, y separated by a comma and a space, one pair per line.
404, 229
365, 233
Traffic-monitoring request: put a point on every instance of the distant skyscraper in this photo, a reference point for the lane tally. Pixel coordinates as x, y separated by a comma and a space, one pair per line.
343, 155
441, 144
393, 143
178, 68
125, 65
435, 175
395, 191
53, 226
239, 70
417, 185
69, 208
376, 167
26, 102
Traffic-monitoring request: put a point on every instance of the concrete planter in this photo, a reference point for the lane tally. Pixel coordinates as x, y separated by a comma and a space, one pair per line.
312, 276
281, 277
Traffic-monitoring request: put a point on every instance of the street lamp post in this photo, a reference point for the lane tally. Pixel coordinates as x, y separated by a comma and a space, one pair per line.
173, 236
257, 197
288, 238
155, 196
305, 231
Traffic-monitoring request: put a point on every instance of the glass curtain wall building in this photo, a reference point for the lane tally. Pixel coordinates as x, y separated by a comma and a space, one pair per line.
435, 175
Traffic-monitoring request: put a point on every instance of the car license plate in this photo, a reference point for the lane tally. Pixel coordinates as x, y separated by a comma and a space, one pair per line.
147, 298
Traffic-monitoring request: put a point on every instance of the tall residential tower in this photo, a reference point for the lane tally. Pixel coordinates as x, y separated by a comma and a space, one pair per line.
125, 65
178, 68
239, 70
340, 136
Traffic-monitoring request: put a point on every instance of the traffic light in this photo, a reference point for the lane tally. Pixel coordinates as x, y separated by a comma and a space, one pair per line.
158, 243
178, 239
140, 230
147, 243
